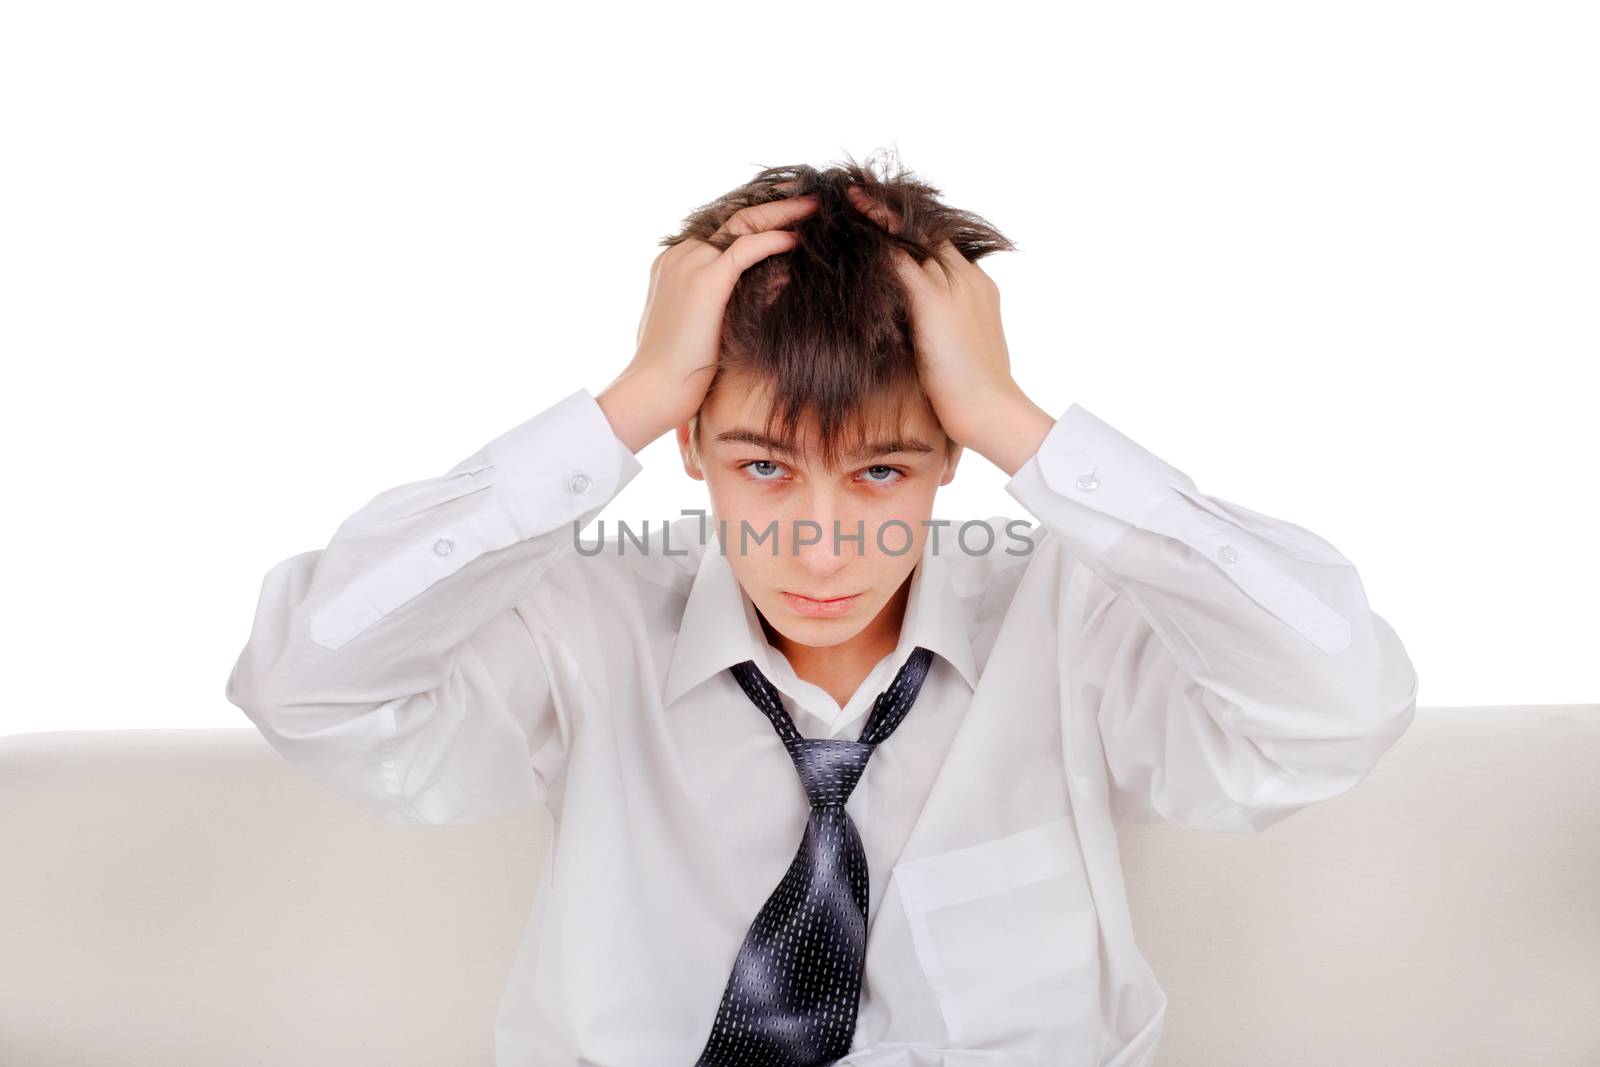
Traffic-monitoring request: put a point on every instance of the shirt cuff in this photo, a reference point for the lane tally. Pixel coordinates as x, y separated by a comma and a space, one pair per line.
1092, 482
1102, 494
561, 464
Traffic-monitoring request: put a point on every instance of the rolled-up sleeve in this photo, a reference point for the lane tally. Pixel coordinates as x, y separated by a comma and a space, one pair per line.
399, 665
1231, 661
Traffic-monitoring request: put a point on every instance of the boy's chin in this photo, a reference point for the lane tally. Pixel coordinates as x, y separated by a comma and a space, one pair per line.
816, 632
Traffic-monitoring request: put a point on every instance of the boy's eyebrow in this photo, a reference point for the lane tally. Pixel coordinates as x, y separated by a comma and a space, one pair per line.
871, 450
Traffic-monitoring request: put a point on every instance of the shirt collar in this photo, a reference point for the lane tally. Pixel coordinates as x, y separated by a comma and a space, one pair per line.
721, 626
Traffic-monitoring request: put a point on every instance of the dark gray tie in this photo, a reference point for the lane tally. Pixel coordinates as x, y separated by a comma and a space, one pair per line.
796, 984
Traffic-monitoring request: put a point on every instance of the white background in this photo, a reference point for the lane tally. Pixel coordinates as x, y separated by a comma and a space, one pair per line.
1337, 262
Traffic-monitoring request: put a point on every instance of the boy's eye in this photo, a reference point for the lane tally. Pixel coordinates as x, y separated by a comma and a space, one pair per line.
761, 469
889, 475
766, 470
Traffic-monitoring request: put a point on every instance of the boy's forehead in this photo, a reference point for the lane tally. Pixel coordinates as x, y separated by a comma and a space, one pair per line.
743, 406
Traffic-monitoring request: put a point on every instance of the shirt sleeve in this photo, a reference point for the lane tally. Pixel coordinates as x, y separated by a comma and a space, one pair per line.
399, 665
1231, 662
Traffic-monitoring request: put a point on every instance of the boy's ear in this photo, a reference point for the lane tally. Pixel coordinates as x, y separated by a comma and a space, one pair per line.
686, 449
952, 457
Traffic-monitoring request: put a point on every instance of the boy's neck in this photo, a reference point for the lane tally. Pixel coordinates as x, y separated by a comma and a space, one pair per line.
839, 669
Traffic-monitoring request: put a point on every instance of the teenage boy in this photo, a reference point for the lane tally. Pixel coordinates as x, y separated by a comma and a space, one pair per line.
830, 782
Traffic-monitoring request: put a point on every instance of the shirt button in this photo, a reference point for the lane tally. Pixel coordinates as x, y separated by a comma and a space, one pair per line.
443, 546
579, 483
1227, 555
1088, 483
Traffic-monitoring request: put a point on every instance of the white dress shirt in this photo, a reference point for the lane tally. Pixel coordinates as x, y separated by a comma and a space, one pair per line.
455, 654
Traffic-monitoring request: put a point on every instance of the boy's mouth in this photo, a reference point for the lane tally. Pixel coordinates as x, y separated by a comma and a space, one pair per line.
822, 608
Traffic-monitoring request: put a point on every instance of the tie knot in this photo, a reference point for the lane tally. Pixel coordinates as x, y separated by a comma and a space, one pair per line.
829, 768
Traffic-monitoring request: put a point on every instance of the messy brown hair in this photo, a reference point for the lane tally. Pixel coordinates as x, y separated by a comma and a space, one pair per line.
826, 327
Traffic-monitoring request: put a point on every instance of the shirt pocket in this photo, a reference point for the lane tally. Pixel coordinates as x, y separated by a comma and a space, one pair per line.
1006, 934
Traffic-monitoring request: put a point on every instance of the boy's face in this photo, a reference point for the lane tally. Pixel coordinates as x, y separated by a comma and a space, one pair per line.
775, 493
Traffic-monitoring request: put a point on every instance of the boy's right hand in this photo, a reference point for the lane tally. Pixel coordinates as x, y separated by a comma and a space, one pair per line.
681, 328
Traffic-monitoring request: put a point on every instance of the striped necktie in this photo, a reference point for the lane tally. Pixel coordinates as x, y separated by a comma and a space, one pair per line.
791, 1000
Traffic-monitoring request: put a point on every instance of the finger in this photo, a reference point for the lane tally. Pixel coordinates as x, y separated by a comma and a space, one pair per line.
770, 216
874, 209
958, 264
909, 270
752, 248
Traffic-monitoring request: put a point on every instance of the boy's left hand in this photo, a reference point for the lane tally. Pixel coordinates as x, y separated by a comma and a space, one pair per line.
965, 367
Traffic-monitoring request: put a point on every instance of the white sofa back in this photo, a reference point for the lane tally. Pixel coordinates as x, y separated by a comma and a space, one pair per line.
187, 897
